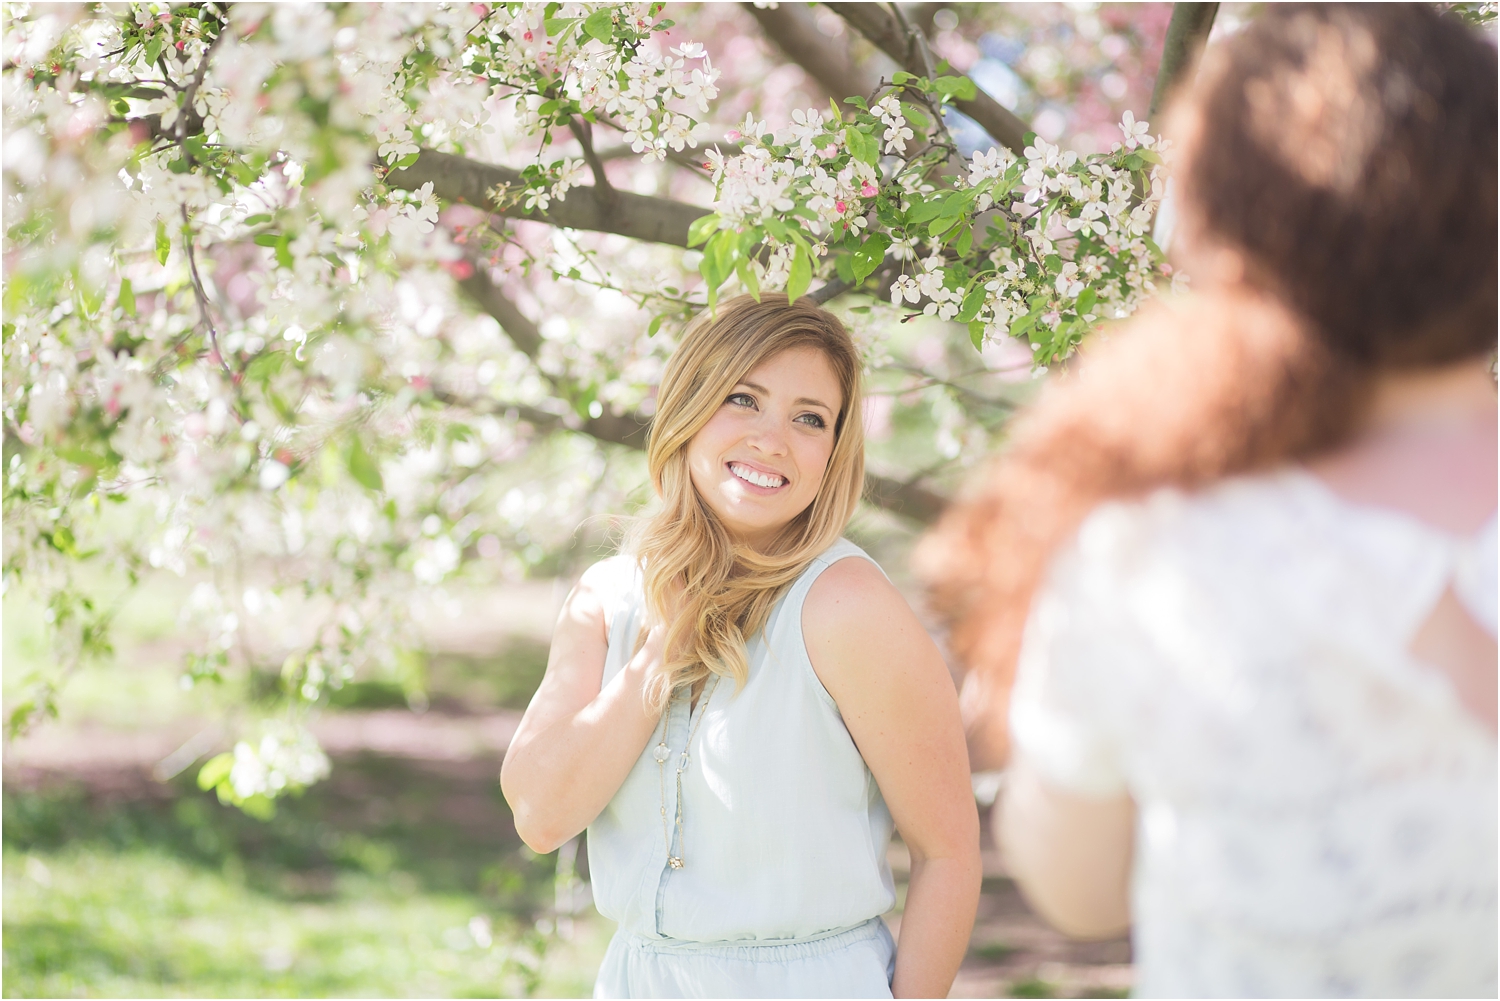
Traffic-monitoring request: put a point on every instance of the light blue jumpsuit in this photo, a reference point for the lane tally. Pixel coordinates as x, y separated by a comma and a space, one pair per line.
784, 835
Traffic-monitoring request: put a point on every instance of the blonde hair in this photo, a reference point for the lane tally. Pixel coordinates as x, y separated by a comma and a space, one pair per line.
728, 588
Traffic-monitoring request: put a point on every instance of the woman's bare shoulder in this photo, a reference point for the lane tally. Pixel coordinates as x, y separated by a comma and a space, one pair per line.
852, 614
852, 589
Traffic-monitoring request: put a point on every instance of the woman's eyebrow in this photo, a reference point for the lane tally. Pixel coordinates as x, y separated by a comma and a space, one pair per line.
799, 401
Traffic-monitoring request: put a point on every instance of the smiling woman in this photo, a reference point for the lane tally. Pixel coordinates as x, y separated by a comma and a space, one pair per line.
738, 832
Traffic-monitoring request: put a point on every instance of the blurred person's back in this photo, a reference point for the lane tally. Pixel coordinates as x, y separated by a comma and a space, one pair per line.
1252, 544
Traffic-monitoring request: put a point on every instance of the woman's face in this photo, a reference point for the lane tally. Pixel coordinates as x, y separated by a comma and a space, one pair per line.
759, 461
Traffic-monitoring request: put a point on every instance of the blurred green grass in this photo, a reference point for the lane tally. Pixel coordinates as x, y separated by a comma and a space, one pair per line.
395, 878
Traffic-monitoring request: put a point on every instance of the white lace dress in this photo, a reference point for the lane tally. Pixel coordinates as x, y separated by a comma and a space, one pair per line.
1317, 813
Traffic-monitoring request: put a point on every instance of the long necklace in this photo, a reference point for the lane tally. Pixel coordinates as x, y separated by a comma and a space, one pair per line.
662, 752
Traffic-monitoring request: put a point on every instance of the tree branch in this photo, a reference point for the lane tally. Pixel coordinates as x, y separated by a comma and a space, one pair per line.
905, 499
794, 29
640, 217
620, 429
1186, 35
882, 30
583, 132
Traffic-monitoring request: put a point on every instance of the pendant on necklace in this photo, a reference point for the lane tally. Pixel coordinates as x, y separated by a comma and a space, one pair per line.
661, 753
674, 861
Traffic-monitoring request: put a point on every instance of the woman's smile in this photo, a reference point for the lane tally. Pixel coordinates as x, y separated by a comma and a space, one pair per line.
758, 477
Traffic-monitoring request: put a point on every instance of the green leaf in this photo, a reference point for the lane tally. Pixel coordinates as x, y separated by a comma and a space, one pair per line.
778, 229
868, 255
1086, 300
1149, 155
257, 219
965, 240
363, 468
940, 226
915, 116
843, 266
62, 540
701, 228
718, 262
971, 305
655, 325
861, 146
1021, 325
163, 244
127, 297
959, 88
925, 211
600, 25
153, 48
901, 76
801, 276
976, 334
215, 770
258, 806
748, 277
406, 161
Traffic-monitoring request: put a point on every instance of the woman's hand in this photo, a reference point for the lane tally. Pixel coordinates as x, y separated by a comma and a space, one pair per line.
579, 738
901, 708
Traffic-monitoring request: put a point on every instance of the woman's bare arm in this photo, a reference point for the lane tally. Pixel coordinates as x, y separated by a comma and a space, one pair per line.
578, 739
1070, 854
900, 706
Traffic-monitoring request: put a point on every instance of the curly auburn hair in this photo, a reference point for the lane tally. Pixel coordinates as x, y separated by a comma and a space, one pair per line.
1345, 158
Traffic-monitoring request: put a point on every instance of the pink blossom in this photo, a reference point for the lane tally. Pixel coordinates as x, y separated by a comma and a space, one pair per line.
840, 206
868, 190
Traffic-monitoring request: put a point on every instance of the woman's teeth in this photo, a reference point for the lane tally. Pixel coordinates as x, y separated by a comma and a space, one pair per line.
759, 479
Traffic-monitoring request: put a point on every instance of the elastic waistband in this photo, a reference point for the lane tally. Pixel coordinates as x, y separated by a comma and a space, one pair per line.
768, 950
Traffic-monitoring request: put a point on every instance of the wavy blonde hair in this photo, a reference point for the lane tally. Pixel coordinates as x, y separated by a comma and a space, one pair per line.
728, 588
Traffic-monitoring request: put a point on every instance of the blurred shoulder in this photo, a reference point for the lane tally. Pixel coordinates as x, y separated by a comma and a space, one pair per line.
1235, 518
615, 571
606, 584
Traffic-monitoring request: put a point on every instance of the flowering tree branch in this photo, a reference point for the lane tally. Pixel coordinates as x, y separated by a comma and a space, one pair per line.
870, 20
458, 179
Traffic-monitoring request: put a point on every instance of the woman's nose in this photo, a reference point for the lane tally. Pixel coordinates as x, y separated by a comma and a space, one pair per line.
768, 436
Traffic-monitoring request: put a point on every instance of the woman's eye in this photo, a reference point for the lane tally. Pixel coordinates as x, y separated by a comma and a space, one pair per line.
813, 420
741, 400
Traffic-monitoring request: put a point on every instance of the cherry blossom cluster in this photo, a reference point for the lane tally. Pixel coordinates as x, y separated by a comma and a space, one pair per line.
220, 318
588, 60
1039, 247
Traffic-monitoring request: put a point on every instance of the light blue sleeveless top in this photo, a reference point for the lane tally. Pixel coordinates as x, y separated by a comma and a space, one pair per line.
785, 830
